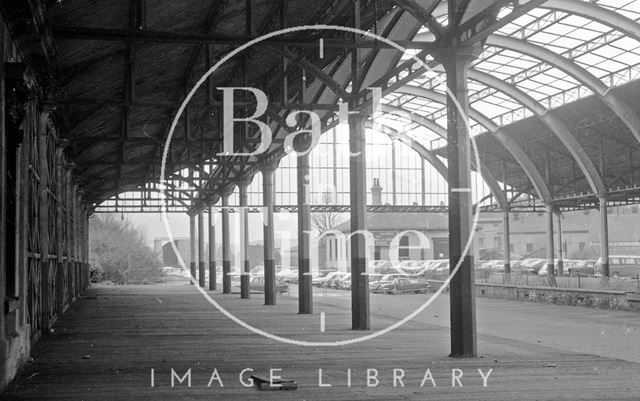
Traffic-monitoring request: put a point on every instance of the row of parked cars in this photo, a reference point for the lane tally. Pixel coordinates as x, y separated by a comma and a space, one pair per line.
414, 268
413, 275
619, 266
387, 283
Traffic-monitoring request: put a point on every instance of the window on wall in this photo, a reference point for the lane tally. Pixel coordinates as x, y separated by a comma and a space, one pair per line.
403, 248
330, 249
581, 246
529, 248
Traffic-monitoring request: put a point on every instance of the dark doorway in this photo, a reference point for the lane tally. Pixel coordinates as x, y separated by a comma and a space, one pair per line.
441, 248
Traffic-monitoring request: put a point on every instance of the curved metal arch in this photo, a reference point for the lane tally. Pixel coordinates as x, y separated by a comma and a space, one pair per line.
594, 12
556, 126
615, 103
442, 169
512, 147
388, 130
425, 153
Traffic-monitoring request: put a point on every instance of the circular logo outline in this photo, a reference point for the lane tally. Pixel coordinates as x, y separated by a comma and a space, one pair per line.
219, 307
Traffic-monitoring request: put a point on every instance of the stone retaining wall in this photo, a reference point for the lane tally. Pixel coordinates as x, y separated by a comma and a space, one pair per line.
605, 299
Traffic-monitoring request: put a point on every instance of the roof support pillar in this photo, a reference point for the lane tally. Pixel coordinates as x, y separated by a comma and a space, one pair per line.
550, 252
192, 245
305, 290
212, 249
560, 264
268, 195
507, 239
226, 262
358, 197
201, 250
462, 287
604, 238
505, 220
360, 314
245, 292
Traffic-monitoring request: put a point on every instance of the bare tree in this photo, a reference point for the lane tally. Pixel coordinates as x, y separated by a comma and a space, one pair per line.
324, 221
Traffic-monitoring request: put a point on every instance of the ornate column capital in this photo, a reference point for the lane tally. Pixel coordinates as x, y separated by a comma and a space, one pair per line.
268, 165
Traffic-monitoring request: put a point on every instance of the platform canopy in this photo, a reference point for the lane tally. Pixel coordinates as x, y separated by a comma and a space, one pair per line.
553, 91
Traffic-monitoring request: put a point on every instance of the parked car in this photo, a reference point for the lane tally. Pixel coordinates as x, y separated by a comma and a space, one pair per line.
581, 267
441, 266
403, 284
620, 266
318, 277
373, 264
332, 280
533, 265
404, 267
423, 268
383, 267
256, 284
287, 275
418, 266
374, 278
543, 271
387, 278
258, 270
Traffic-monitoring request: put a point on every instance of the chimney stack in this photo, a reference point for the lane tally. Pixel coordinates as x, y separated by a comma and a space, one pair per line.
376, 192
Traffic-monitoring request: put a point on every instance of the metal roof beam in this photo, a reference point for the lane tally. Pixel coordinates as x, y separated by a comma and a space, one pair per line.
512, 147
486, 174
613, 101
594, 12
556, 126
422, 14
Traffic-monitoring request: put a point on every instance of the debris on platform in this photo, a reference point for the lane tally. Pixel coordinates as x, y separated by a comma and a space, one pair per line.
266, 385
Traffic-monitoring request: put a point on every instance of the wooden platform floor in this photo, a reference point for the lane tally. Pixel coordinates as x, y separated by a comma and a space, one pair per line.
107, 344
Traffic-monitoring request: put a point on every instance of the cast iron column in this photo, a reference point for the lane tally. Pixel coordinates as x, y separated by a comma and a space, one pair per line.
212, 250
201, 272
268, 194
462, 287
507, 239
192, 246
604, 235
226, 262
551, 272
245, 292
360, 315
305, 290
560, 264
